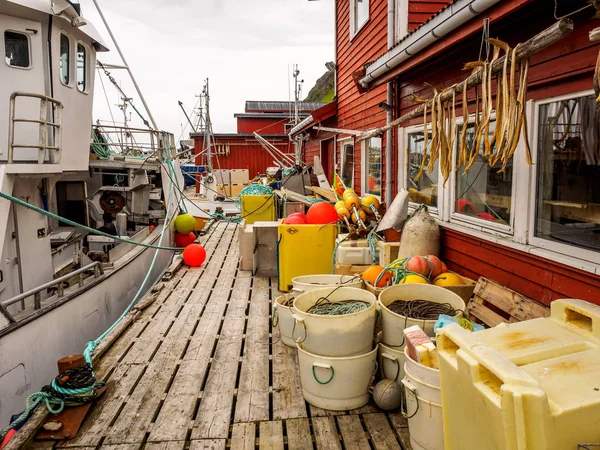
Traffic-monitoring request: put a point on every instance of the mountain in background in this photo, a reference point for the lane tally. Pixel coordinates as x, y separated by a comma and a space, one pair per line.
324, 88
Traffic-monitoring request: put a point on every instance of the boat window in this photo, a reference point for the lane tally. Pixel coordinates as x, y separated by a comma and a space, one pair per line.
359, 15
65, 59
484, 191
16, 49
373, 169
422, 189
81, 68
347, 164
568, 173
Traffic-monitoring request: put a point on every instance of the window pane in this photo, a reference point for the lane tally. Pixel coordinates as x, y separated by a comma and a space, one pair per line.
483, 192
16, 49
373, 171
362, 12
64, 59
568, 182
347, 172
81, 68
424, 189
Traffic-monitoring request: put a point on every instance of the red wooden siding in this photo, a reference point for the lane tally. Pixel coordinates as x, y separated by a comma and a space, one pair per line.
246, 153
262, 126
358, 111
538, 278
419, 11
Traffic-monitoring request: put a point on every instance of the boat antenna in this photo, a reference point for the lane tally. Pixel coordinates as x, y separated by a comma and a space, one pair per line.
126, 66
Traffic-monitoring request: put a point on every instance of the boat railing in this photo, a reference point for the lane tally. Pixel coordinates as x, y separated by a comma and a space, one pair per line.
49, 126
114, 140
57, 282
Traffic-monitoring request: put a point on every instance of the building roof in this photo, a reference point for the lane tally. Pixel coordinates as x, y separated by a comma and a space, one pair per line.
317, 116
271, 106
239, 136
269, 115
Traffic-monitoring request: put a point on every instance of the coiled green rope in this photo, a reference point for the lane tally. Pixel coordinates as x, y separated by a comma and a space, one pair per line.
339, 308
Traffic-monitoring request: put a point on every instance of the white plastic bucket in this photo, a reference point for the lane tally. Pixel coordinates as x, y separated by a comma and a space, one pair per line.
337, 384
423, 405
390, 361
308, 283
282, 319
347, 335
393, 324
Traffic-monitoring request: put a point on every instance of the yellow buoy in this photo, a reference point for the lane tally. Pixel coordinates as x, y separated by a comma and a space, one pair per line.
361, 214
348, 192
368, 201
185, 223
340, 204
343, 212
352, 201
413, 279
448, 279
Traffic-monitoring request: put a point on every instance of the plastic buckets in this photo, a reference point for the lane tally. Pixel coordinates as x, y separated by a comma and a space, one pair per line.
337, 383
344, 335
308, 283
282, 318
393, 324
423, 406
390, 360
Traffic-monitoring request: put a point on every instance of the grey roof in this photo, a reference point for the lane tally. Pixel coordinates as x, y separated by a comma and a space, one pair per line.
252, 105
259, 115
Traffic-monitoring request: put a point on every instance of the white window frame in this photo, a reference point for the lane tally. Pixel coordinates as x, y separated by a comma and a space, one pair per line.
401, 17
86, 67
69, 62
30, 66
475, 222
564, 249
356, 27
403, 159
363, 168
340, 145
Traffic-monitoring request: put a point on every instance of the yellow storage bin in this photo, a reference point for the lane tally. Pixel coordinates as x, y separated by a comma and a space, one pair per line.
258, 208
304, 250
531, 385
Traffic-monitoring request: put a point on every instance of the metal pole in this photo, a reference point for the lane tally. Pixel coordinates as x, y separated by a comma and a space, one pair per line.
137, 88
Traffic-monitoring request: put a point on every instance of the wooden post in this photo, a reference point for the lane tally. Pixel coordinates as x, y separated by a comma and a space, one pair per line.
70, 362
534, 45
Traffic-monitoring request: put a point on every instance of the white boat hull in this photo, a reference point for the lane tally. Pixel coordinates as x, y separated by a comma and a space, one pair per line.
30, 349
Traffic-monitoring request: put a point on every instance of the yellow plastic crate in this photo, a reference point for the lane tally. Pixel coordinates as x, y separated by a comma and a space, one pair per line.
258, 208
531, 385
304, 250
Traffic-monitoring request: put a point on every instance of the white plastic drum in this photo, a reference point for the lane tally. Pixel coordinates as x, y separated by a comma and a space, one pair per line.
282, 318
307, 283
423, 407
393, 324
344, 335
337, 384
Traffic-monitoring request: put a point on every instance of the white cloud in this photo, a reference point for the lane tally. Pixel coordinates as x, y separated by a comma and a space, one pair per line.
245, 48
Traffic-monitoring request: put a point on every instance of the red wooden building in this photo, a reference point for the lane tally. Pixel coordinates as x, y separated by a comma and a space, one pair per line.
533, 228
271, 119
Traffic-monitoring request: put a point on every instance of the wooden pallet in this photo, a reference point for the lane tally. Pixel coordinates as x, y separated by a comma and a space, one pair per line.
493, 304
201, 367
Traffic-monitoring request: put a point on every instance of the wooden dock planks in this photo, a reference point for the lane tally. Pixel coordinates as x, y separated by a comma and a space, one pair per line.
202, 368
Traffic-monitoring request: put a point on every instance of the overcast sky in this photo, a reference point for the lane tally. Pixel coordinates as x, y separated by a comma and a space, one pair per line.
245, 48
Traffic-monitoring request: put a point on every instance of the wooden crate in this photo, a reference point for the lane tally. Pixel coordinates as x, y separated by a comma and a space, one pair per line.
493, 304
349, 269
465, 290
388, 252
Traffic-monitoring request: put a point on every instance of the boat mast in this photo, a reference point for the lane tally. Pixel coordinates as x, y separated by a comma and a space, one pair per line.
204, 124
126, 66
297, 96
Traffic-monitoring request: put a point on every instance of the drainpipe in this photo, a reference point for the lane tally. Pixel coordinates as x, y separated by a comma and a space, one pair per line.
389, 111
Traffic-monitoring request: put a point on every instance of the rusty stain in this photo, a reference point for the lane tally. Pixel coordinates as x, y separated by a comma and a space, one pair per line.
519, 340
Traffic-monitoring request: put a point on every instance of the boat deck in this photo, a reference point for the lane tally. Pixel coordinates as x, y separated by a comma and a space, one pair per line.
202, 368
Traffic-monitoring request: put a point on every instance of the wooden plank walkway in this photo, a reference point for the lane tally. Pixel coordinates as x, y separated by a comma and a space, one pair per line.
202, 368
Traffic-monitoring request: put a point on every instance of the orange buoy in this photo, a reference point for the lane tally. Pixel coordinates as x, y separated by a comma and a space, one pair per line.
322, 213
183, 240
370, 276
194, 255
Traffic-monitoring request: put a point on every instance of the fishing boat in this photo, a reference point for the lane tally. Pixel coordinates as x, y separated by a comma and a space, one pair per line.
85, 211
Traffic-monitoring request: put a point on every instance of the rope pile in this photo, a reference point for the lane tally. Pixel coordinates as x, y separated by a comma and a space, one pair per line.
421, 309
324, 307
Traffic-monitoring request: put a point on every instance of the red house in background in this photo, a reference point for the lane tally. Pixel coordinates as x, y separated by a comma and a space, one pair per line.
535, 229
272, 120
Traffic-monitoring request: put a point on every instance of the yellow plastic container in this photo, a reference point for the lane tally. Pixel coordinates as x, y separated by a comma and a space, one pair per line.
258, 208
304, 250
531, 385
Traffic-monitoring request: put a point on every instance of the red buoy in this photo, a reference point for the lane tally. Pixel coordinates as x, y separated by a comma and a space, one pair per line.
295, 219
183, 240
322, 213
194, 255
